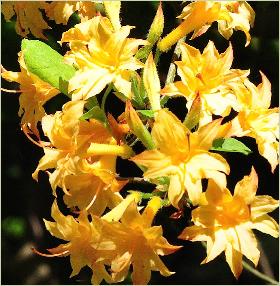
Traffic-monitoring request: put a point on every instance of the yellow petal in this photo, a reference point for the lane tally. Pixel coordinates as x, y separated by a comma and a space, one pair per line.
248, 243
175, 190
168, 128
152, 83
234, 260
266, 224
262, 205
112, 9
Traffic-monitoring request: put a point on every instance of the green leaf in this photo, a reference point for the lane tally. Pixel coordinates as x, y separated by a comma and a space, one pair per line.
14, 226
147, 113
47, 64
230, 145
91, 102
97, 113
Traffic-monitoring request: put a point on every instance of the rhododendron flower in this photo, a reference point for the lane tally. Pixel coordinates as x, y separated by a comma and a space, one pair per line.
29, 17
60, 11
209, 76
183, 156
137, 243
199, 15
83, 154
102, 56
34, 94
257, 120
225, 222
80, 235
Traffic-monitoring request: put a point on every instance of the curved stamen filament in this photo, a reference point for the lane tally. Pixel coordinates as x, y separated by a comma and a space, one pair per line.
66, 252
13, 90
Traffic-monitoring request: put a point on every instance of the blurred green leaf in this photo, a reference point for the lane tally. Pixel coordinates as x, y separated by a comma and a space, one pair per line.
14, 226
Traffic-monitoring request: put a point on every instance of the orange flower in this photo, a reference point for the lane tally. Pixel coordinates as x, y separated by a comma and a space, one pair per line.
225, 222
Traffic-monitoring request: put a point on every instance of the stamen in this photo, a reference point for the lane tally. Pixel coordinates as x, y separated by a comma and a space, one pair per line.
13, 90
66, 252
26, 131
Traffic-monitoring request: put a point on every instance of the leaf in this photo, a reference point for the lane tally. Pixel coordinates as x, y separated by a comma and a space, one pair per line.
230, 145
97, 113
47, 64
91, 102
147, 113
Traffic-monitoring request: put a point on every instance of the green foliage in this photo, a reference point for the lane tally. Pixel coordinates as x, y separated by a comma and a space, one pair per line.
47, 64
230, 145
14, 226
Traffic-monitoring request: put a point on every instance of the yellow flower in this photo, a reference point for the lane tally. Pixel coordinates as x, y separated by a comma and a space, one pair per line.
257, 120
60, 11
102, 56
29, 16
183, 156
225, 222
209, 76
137, 243
199, 15
34, 94
80, 235
83, 154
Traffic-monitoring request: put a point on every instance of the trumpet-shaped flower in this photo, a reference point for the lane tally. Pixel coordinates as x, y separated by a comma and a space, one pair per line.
60, 11
137, 243
257, 120
34, 94
209, 76
29, 16
199, 15
83, 154
183, 156
225, 222
102, 56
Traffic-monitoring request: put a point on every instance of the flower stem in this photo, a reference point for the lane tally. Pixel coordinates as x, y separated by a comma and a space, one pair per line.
108, 90
258, 273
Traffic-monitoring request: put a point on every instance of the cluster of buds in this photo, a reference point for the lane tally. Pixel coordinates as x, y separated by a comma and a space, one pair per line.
108, 228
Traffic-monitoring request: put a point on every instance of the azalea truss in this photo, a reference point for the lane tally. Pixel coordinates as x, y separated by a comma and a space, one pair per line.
110, 224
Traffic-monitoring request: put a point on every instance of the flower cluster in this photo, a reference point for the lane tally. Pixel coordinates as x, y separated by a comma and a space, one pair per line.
109, 229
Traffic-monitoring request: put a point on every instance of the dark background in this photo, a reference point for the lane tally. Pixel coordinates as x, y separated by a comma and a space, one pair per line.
25, 202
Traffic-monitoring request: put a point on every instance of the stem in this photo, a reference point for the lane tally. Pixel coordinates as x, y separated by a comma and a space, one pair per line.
172, 68
258, 273
108, 90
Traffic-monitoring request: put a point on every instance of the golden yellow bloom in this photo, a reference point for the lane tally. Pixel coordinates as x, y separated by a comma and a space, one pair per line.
183, 156
257, 120
199, 15
60, 11
225, 222
83, 154
137, 243
29, 17
102, 56
34, 94
209, 76
80, 235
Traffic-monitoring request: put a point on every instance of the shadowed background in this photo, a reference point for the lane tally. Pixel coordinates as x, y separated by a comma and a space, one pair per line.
25, 202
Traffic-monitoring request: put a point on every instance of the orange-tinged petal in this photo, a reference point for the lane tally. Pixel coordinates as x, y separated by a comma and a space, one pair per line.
247, 187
